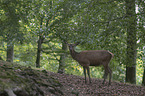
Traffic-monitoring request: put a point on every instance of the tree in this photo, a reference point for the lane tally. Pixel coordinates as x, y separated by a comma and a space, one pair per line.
48, 18
11, 14
131, 42
141, 32
143, 80
11, 23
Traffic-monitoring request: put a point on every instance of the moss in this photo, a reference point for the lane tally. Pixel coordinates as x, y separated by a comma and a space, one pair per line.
4, 84
26, 79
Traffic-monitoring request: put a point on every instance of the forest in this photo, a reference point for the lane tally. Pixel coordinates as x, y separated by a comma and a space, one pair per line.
33, 34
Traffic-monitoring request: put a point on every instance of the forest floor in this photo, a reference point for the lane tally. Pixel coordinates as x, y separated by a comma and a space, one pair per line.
25, 81
76, 85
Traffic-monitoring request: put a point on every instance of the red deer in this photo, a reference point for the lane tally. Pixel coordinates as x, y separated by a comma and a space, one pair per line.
92, 58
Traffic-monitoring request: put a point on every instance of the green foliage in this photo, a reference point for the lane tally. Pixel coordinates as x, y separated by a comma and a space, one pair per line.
25, 55
97, 25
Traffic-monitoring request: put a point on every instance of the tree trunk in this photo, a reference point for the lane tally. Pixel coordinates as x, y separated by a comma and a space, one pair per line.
10, 52
39, 52
40, 41
143, 79
131, 42
61, 68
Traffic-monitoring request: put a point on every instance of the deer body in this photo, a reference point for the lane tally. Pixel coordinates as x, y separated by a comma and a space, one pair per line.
92, 58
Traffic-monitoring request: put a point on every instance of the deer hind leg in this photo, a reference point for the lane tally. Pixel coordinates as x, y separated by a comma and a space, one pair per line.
105, 73
110, 75
85, 73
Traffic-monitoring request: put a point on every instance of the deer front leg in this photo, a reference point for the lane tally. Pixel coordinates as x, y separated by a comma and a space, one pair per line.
85, 74
88, 70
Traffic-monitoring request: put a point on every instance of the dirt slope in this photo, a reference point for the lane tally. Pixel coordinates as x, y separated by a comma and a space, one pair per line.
25, 81
75, 84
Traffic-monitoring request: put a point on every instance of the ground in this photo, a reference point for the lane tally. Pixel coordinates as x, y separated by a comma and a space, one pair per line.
25, 81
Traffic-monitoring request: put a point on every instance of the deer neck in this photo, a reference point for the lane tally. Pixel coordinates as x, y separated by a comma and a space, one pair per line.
74, 54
